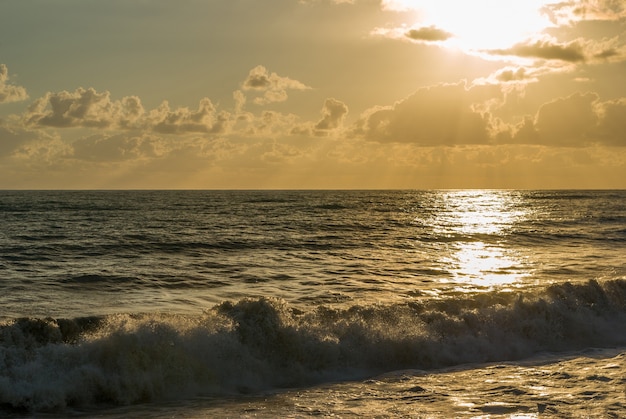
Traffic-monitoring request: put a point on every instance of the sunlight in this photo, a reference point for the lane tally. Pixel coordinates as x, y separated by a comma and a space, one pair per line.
481, 24
482, 265
479, 212
483, 218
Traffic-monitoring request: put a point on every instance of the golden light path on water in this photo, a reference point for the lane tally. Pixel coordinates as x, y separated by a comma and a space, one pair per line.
482, 261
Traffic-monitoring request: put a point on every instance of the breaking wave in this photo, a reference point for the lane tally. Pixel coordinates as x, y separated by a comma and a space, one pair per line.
259, 344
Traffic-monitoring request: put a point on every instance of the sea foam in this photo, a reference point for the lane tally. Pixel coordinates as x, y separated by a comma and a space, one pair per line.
253, 345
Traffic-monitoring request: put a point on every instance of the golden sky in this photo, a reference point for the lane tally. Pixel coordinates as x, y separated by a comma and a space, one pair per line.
312, 94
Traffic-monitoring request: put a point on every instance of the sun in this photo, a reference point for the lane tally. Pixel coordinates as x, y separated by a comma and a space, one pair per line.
479, 25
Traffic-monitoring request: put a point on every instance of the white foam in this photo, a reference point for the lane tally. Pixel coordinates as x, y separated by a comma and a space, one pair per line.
258, 344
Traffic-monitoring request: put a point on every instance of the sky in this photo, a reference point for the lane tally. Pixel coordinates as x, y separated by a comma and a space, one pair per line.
312, 94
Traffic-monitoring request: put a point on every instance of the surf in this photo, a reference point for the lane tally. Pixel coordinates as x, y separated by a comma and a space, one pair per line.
257, 344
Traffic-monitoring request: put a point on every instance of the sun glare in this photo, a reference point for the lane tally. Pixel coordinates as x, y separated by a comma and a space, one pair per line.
482, 217
479, 24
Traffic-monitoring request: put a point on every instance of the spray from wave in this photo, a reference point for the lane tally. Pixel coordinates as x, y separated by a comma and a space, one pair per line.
258, 344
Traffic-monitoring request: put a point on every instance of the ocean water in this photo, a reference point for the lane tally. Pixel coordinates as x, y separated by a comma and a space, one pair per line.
446, 303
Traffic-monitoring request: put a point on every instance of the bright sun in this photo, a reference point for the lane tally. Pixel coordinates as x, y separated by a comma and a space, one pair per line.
479, 24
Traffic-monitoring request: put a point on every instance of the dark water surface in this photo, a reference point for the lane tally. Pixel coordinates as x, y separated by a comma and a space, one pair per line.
121, 297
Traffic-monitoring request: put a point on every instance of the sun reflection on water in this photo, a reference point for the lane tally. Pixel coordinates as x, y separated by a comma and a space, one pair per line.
477, 223
485, 265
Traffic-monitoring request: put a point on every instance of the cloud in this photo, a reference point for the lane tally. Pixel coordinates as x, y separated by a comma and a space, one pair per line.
84, 108
12, 138
87, 108
567, 121
10, 92
333, 114
272, 86
516, 77
454, 115
268, 124
550, 56
608, 50
279, 153
34, 147
578, 120
395, 5
571, 52
428, 34
424, 34
511, 75
183, 120
612, 122
120, 147
567, 12
439, 115
607, 53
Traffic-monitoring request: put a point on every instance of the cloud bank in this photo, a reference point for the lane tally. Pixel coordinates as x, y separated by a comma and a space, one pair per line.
457, 114
87, 108
437, 115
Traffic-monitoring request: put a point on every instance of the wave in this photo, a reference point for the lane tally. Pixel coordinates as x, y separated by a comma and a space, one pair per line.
253, 345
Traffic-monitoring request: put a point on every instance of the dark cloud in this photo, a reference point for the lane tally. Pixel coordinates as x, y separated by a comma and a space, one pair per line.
547, 50
428, 34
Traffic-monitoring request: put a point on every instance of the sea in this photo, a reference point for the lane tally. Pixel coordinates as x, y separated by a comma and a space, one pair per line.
373, 303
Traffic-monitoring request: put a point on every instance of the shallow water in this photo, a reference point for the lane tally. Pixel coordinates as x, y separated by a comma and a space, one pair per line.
586, 384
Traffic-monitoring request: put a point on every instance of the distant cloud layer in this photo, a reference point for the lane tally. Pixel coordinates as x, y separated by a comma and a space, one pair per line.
88, 108
449, 115
455, 114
